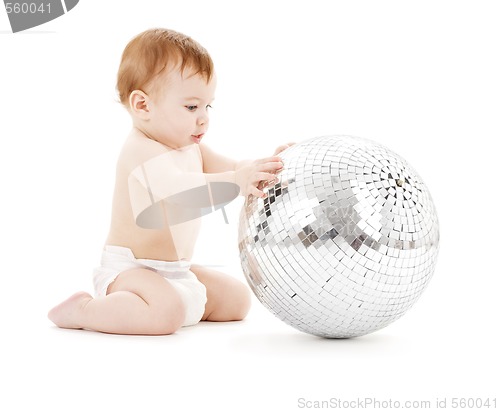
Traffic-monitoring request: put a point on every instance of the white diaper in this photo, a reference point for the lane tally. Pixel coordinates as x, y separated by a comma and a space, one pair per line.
116, 259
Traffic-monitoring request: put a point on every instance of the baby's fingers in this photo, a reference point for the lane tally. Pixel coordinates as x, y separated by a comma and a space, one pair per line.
269, 160
281, 148
257, 192
271, 167
262, 176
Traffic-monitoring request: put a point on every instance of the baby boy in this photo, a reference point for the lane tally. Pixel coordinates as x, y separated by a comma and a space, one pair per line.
165, 177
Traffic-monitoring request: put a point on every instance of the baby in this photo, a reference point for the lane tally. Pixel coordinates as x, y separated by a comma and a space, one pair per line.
166, 178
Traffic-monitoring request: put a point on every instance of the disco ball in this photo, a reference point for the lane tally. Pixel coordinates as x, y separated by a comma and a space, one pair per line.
345, 243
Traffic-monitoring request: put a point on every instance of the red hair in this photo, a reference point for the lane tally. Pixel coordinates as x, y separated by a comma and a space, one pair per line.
149, 53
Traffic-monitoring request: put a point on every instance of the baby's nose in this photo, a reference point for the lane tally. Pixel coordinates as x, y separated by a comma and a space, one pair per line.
202, 120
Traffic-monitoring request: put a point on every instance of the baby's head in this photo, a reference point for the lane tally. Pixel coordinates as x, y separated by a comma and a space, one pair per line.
152, 54
166, 81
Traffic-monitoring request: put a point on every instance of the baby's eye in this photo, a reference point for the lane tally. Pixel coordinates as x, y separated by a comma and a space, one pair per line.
208, 106
191, 108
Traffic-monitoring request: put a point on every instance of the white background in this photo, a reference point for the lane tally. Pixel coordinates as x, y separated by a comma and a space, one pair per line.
419, 77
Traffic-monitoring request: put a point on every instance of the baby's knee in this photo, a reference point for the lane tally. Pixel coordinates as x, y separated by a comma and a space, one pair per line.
166, 319
164, 327
241, 301
166, 313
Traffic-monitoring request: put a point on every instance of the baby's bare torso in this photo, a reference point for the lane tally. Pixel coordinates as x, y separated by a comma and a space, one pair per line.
146, 173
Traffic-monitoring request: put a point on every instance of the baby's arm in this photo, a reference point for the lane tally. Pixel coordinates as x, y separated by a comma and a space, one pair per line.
160, 192
247, 174
214, 162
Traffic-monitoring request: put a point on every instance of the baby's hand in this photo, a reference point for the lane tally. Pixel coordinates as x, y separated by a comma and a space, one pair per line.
279, 149
249, 177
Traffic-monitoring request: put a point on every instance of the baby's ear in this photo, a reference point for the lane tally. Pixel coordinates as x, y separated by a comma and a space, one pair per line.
139, 104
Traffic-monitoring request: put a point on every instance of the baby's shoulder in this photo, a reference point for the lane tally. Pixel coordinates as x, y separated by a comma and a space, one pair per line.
137, 150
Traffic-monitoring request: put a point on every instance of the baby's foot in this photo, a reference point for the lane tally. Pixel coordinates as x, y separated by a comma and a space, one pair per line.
67, 313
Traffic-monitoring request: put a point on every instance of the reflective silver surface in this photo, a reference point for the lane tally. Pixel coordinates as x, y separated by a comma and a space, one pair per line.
345, 243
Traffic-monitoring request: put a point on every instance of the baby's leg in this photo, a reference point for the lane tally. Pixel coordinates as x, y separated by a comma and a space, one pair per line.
139, 302
228, 299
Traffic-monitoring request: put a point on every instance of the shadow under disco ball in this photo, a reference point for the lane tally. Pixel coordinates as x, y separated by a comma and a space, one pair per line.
345, 243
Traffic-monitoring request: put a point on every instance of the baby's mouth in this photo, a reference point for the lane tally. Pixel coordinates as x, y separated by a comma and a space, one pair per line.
197, 137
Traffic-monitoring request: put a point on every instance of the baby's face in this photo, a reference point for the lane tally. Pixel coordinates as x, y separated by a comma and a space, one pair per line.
179, 113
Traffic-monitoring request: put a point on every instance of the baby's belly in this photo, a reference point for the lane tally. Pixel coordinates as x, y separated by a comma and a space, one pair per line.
173, 243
